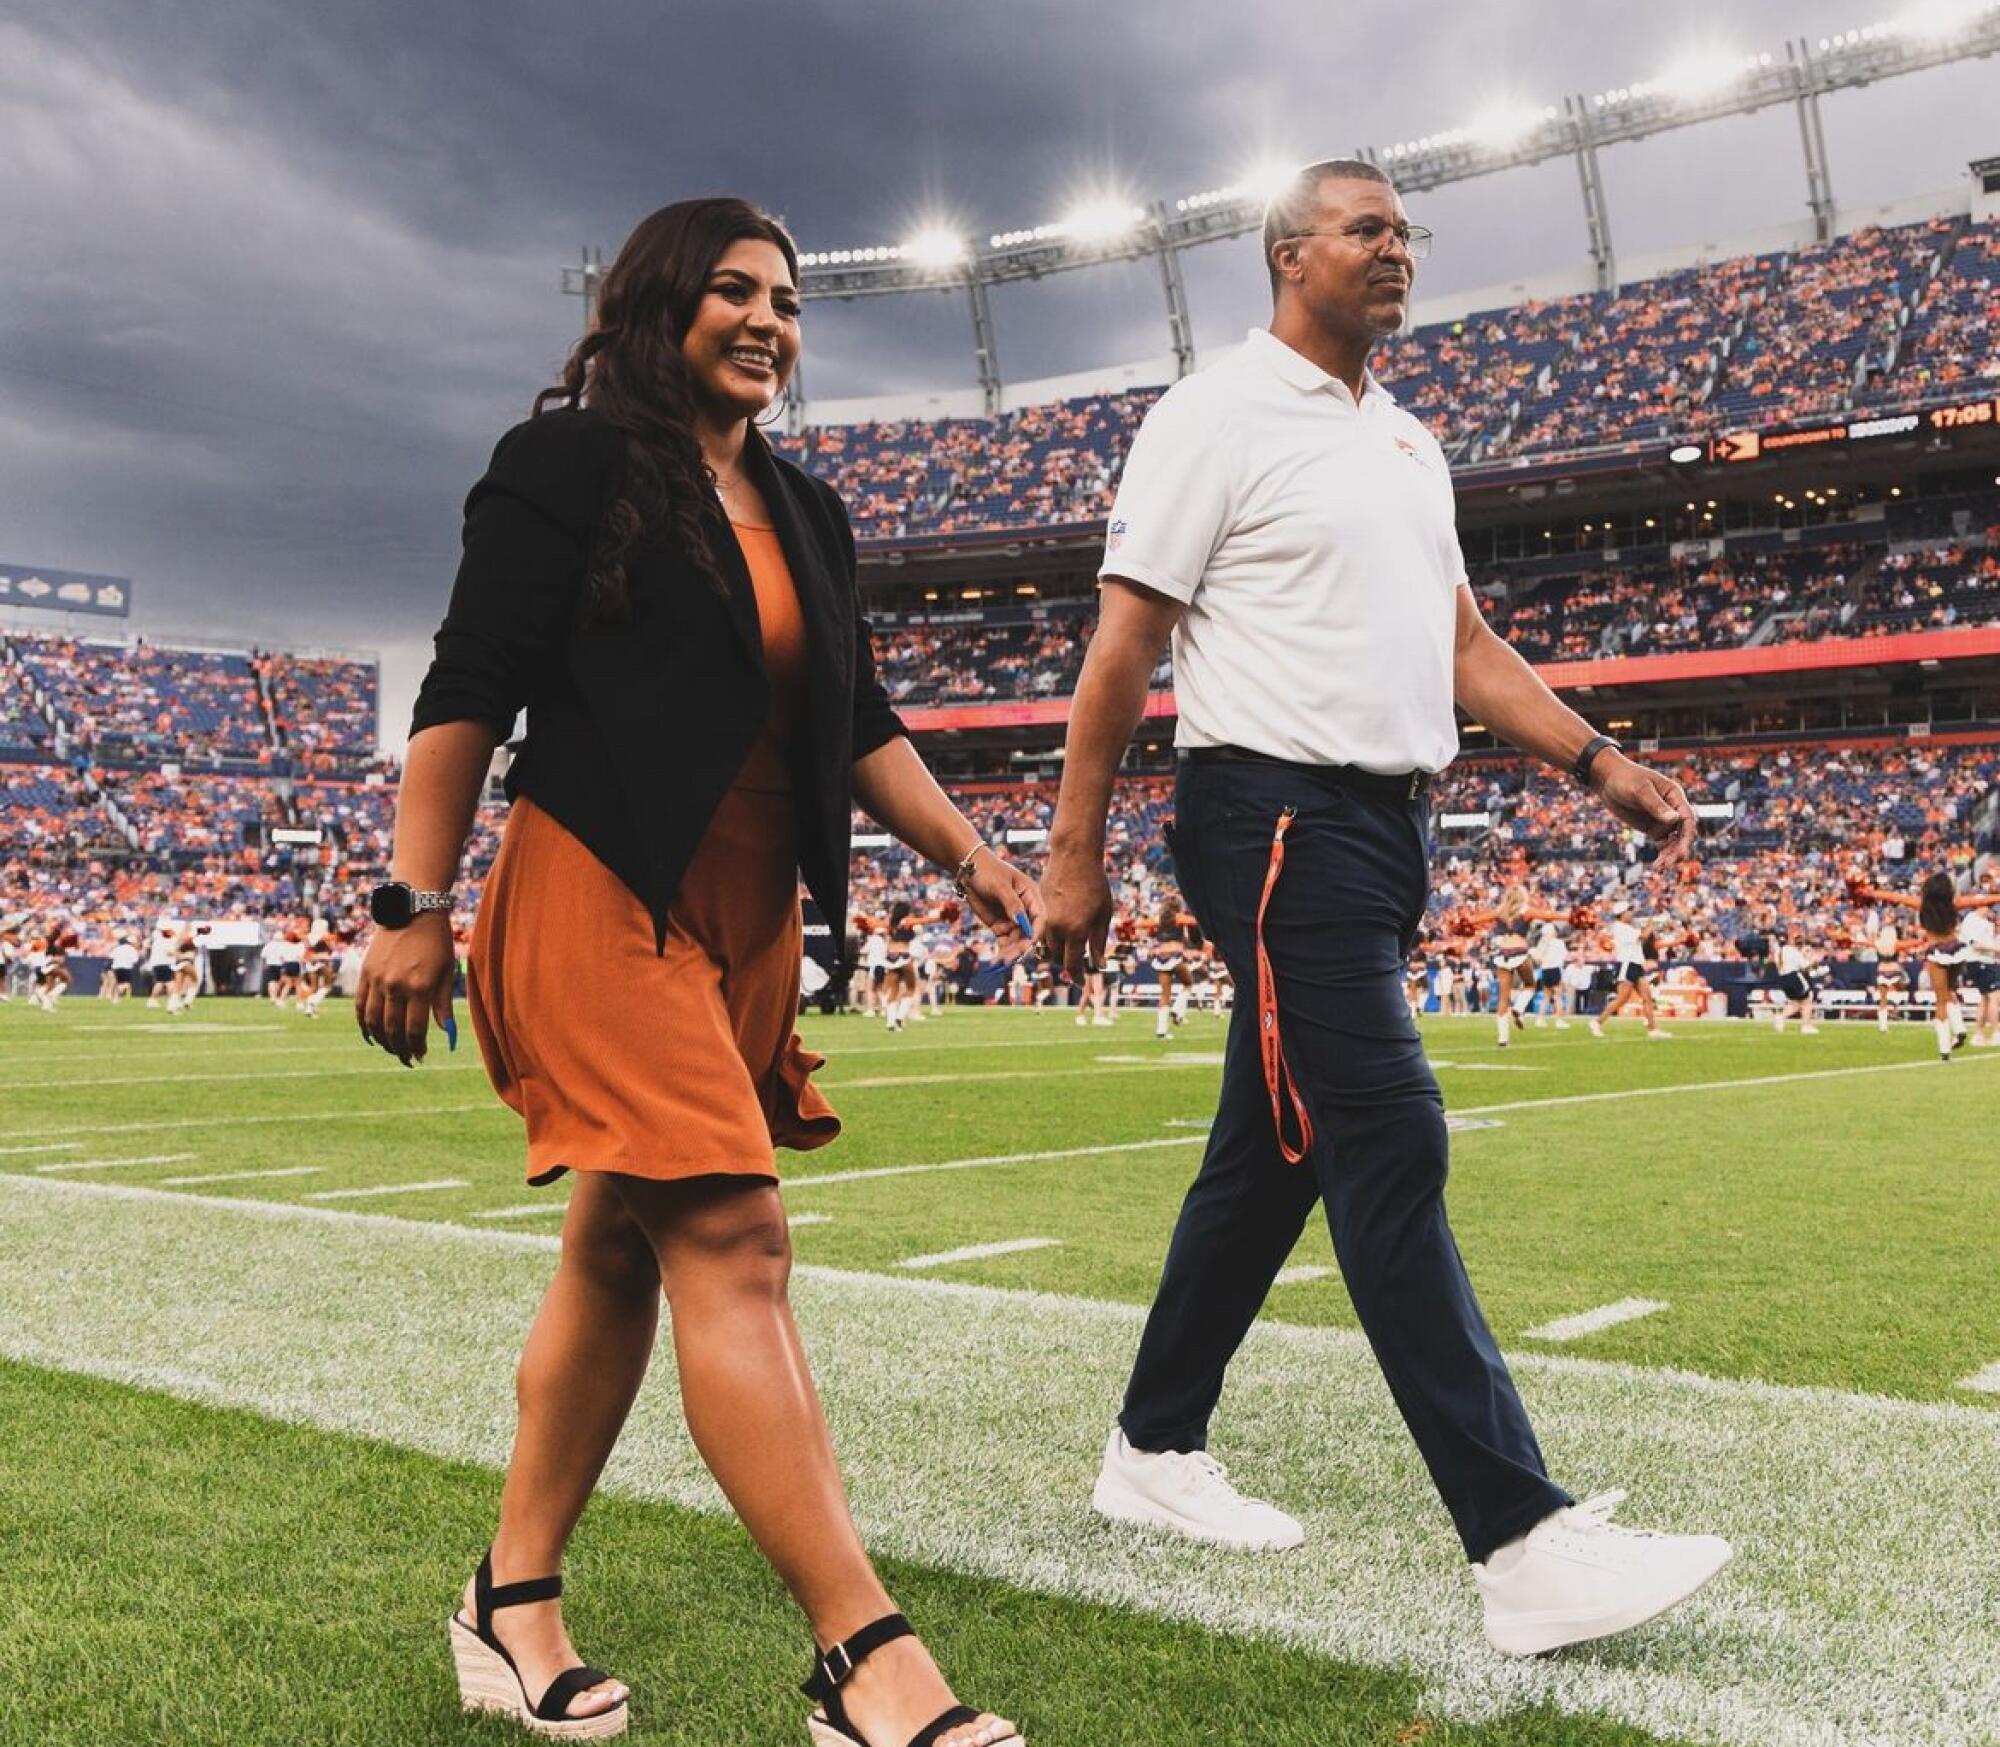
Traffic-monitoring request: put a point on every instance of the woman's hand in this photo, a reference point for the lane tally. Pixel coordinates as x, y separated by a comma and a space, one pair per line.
1000, 895
407, 978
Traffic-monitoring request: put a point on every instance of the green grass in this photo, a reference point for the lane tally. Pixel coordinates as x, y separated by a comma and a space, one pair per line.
203, 1574
177, 1574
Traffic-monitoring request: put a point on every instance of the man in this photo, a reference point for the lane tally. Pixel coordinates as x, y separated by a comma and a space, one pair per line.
1291, 529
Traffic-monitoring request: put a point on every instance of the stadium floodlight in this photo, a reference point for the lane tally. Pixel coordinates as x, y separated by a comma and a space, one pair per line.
935, 246
1703, 73
1101, 219
1264, 180
1499, 124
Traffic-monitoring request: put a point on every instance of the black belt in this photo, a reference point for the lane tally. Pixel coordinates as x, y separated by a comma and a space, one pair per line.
1399, 786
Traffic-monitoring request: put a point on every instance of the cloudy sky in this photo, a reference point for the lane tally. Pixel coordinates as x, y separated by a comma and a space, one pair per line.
276, 276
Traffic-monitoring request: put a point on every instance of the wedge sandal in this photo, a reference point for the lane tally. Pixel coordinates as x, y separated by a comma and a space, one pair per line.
489, 1681
830, 1725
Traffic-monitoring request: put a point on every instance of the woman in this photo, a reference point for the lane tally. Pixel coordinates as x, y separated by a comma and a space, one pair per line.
899, 984
1795, 963
1937, 905
676, 609
1633, 980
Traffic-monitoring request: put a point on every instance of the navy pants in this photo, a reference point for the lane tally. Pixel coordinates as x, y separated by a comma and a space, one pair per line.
1337, 930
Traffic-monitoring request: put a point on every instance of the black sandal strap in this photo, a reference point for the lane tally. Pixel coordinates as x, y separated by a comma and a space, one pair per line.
932, 1731
553, 1705
832, 1668
530, 1589
487, 1595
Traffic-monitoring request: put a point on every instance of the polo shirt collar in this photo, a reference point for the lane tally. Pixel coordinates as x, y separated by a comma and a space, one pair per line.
1301, 372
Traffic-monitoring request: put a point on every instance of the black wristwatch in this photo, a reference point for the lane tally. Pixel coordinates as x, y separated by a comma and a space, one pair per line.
397, 905
1588, 756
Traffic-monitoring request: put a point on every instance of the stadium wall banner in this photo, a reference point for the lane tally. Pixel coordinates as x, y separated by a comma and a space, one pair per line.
65, 591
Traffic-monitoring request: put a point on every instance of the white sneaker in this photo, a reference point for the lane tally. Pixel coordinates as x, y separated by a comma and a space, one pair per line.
1576, 1575
1102, 1019
1562, 1024
1659, 1036
1596, 1028
1809, 1031
1190, 1494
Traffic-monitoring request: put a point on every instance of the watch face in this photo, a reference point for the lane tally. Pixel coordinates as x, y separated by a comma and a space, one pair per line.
390, 905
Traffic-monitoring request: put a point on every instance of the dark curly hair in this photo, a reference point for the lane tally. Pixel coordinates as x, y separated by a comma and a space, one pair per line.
1937, 905
628, 369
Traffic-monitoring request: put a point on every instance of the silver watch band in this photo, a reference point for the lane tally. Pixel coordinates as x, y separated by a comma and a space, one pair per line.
422, 901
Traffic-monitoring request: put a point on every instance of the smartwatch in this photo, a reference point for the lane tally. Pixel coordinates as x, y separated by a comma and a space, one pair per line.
397, 905
1588, 756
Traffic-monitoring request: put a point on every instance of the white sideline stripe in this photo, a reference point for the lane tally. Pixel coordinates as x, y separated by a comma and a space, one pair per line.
240, 1176
1987, 1382
1298, 1276
814, 1179
47, 1146
112, 1164
525, 1210
808, 1219
1012, 1246
1588, 1322
1844, 1508
387, 1189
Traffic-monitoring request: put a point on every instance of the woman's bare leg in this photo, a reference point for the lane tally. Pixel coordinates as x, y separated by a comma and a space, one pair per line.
725, 1262
579, 1375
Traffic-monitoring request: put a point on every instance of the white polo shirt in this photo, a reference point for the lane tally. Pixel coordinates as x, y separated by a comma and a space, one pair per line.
1311, 541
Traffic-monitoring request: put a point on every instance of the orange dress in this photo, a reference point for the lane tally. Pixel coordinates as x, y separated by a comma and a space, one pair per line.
682, 1064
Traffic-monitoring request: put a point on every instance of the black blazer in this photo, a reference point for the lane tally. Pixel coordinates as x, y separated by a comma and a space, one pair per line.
637, 728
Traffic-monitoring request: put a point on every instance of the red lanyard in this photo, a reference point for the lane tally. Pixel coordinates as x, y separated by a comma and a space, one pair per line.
1277, 1071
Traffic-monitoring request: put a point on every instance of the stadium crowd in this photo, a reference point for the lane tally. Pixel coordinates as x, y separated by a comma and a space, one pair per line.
1867, 318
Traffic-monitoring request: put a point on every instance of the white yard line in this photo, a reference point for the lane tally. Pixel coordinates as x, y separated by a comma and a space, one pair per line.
113, 1164
47, 1146
241, 1176
1012, 1246
1928, 1064
1300, 1275
373, 1113
1987, 1382
234, 1076
1832, 1625
1589, 1322
875, 1081
808, 1219
525, 1210
814, 1180
386, 1189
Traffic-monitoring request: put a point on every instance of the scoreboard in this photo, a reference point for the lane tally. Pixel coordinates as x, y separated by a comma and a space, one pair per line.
1754, 445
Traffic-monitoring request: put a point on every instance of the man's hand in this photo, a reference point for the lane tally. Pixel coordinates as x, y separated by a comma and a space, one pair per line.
1648, 802
406, 981
1076, 907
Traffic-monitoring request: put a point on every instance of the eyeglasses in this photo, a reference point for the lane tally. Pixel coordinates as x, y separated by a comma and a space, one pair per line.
1373, 233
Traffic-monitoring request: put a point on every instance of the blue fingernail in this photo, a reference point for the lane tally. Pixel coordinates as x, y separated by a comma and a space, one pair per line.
451, 1031
1021, 922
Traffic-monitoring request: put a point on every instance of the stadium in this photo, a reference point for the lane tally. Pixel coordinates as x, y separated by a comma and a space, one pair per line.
1736, 502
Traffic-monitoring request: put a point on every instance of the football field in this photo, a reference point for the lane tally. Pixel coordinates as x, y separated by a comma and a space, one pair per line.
261, 1293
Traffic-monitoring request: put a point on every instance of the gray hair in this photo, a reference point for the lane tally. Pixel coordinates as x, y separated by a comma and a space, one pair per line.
1293, 207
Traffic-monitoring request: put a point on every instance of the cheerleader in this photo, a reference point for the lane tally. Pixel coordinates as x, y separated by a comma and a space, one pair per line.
1981, 973
1552, 990
1417, 975
899, 981
1937, 906
1795, 963
1632, 980
54, 980
1891, 984
1174, 934
1509, 949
